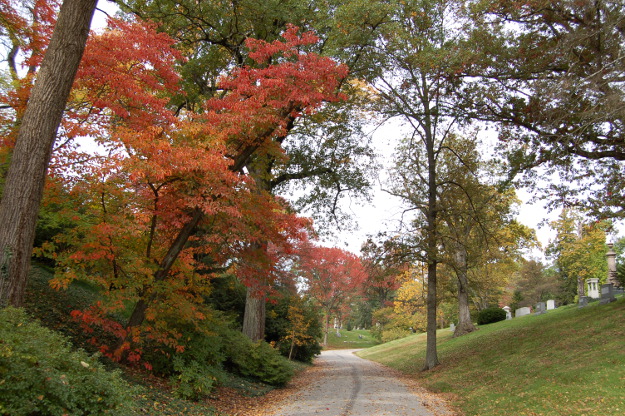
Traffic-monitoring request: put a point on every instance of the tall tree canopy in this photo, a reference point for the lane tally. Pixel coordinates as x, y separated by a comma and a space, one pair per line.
551, 74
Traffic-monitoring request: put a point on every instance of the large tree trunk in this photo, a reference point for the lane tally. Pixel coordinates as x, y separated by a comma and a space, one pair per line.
464, 314
254, 315
26, 176
326, 330
431, 354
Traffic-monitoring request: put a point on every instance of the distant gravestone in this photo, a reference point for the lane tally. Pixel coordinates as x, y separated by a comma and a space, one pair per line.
551, 304
508, 312
583, 301
541, 308
452, 327
607, 293
522, 312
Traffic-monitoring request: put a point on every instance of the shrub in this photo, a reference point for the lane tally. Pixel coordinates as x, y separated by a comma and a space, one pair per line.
490, 315
195, 367
193, 380
41, 375
257, 360
394, 333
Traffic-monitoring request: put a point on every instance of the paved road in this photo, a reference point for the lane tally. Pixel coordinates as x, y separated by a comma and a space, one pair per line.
349, 385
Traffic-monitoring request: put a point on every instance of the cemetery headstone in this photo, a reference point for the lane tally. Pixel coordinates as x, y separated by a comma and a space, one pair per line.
508, 312
551, 304
452, 327
541, 308
607, 293
583, 301
522, 312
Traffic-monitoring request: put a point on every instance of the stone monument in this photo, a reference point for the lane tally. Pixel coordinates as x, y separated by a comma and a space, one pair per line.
593, 288
541, 308
607, 294
508, 312
611, 258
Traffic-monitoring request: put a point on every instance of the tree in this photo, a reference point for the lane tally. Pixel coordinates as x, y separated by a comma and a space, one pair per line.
476, 219
177, 193
535, 284
26, 176
420, 57
326, 152
331, 276
578, 251
551, 74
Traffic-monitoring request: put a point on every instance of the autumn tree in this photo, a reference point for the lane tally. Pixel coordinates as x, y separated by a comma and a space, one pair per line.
327, 153
25, 179
578, 252
477, 220
411, 298
420, 55
534, 283
266, 98
550, 74
331, 276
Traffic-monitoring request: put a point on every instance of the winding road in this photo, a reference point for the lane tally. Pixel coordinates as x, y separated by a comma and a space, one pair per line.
350, 385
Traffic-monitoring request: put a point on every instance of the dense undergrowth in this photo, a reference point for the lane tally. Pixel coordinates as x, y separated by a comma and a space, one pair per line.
50, 365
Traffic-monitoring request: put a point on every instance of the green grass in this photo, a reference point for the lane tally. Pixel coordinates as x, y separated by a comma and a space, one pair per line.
569, 361
350, 339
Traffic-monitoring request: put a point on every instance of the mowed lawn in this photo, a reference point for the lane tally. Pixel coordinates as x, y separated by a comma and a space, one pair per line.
356, 338
569, 361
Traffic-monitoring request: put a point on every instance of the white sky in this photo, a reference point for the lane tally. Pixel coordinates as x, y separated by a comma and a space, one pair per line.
385, 211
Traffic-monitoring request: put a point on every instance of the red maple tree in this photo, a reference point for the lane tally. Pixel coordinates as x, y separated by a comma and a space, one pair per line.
332, 276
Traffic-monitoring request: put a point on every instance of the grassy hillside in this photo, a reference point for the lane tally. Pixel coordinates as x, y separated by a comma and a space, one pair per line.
569, 361
356, 338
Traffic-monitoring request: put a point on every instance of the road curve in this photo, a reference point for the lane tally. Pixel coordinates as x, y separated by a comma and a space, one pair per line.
349, 385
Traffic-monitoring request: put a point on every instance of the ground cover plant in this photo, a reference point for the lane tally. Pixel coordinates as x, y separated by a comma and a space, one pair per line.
566, 362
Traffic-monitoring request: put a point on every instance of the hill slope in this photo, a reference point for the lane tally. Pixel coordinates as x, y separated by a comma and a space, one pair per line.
569, 361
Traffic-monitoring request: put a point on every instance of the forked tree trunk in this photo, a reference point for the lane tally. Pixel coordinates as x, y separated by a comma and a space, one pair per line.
254, 315
26, 176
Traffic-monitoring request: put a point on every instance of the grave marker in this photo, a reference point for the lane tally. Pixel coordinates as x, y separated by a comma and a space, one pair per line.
522, 312
607, 293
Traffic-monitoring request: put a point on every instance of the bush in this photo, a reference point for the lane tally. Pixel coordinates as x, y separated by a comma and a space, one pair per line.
198, 367
41, 375
394, 333
193, 380
257, 360
490, 315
